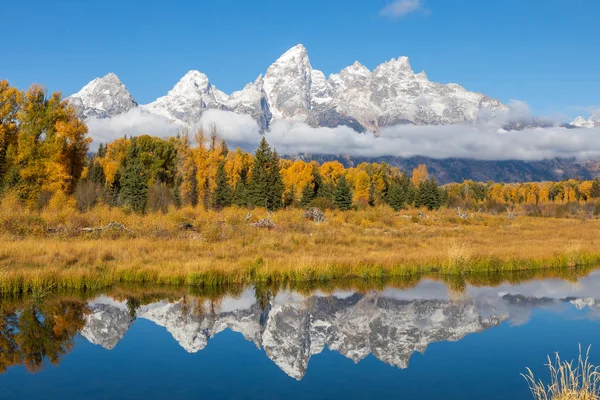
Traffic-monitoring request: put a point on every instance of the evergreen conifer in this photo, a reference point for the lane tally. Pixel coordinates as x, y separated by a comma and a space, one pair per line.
134, 190
342, 195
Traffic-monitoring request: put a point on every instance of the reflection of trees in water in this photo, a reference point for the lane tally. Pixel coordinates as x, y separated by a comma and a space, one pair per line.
43, 327
40, 330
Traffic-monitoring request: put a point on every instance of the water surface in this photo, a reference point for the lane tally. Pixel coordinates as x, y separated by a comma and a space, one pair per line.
429, 340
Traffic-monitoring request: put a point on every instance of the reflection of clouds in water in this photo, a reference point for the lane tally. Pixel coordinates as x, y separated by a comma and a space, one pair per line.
391, 324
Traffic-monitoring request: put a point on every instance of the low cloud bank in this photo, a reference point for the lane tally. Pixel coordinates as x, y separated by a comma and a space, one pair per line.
134, 122
483, 142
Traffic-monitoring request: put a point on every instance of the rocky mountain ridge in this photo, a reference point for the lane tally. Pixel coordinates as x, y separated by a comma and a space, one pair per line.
291, 328
292, 89
592, 122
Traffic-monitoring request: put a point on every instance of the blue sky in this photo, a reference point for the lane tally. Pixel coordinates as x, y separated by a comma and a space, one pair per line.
543, 52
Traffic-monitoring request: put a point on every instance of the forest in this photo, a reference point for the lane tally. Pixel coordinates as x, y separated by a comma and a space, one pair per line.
45, 157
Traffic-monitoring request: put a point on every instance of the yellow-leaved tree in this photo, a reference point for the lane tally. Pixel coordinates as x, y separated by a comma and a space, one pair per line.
420, 174
51, 145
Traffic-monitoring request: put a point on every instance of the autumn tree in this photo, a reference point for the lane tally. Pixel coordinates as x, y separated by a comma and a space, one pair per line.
52, 144
10, 104
420, 174
362, 188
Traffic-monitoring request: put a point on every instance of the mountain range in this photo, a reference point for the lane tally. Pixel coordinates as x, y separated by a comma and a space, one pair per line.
356, 97
291, 327
291, 89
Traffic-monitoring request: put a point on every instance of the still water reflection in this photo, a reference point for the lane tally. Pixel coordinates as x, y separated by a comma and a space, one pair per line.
428, 340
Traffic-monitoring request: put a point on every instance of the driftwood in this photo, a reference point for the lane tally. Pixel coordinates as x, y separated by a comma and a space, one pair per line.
510, 214
110, 226
265, 223
314, 214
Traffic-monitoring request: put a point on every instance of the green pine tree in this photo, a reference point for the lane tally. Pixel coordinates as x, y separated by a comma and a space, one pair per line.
289, 197
326, 191
259, 181
134, 191
96, 173
222, 195
276, 186
342, 195
399, 193
595, 191
206, 196
429, 195
114, 190
396, 197
266, 185
101, 151
176, 192
308, 195
191, 196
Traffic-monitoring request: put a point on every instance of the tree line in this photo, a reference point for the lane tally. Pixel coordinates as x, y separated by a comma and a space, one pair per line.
44, 153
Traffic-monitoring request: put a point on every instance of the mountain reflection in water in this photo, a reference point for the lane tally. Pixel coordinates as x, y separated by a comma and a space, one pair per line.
290, 326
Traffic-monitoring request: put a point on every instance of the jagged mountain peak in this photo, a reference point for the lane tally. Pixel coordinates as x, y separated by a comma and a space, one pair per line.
422, 76
356, 69
400, 65
288, 84
103, 98
581, 122
292, 90
188, 99
194, 78
297, 51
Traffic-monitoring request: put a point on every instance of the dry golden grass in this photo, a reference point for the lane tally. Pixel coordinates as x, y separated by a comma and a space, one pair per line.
49, 248
568, 380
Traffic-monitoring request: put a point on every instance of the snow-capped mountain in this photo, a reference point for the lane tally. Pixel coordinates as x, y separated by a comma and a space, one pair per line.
103, 98
391, 324
252, 100
581, 122
186, 102
292, 90
108, 322
293, 328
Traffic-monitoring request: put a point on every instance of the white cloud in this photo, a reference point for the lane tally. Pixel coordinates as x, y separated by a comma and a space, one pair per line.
134, 122
237, 129
484, 141
448, 141
401, 8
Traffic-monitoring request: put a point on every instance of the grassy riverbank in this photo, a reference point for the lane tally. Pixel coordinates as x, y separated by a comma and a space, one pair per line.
194, 247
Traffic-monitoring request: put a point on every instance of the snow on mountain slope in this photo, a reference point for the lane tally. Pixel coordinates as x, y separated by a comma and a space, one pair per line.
188, 99
103, 98
251, 100
581, 122
292, 90
288, 84
292, 328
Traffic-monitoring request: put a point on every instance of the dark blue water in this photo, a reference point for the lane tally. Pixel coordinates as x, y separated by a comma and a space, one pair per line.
420, 343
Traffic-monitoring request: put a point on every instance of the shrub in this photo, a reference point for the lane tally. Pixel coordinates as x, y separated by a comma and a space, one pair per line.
87, 195
159, 197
